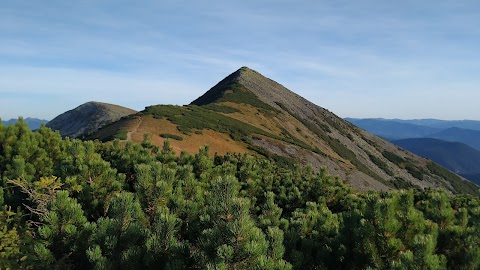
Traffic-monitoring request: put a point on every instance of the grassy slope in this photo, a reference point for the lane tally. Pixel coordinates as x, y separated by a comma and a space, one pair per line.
232, 117
156, 127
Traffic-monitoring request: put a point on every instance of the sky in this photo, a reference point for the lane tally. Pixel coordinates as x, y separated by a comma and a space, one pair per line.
358, 58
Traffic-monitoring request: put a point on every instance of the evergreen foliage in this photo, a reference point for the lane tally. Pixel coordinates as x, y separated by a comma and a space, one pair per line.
193, 117
71, 204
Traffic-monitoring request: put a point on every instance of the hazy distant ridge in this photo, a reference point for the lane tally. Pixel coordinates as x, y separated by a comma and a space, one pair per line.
449, 143
464, 131
457, 157
33, 123
392, 129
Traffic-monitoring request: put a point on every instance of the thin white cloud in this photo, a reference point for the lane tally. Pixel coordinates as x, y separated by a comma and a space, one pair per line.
331, 52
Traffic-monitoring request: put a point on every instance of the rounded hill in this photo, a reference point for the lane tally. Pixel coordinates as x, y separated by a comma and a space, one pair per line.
88, 118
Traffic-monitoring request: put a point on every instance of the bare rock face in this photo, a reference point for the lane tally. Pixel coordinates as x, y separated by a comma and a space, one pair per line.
88, 118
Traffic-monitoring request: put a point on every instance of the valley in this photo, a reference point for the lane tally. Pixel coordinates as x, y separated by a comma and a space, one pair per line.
453, 144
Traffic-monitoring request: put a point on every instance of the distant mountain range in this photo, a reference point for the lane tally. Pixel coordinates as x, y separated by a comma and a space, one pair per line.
457, 157
453, 144
33, 123
454, 134
249, 113
396, 129
392, 129
443, 124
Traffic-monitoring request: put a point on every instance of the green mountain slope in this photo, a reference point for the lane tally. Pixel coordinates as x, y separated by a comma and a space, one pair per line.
262, 117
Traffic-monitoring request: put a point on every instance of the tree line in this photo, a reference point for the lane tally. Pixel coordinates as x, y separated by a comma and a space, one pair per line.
72, 204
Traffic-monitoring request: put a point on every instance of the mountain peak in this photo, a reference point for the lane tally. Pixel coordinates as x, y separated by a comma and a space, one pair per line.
251, 113
242, 86
97, 103
87, 118
224, 89
247, 70
250, 87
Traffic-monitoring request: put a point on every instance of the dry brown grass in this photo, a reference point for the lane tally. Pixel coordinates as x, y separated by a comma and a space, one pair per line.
218, 142
122, 124
251, 115
299, 127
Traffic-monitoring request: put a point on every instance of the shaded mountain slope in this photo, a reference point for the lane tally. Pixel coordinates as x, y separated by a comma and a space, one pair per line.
443, 124
392, 129
457, 157
255, 114
87, 118
466, 136
447, 130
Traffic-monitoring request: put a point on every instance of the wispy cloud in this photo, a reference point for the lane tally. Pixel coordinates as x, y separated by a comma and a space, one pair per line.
376, 53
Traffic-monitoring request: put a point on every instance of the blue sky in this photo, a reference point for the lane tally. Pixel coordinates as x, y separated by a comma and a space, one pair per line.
394, 59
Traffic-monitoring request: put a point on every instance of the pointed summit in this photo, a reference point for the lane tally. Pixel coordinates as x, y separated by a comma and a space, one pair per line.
250, 87
221, 90
249, 113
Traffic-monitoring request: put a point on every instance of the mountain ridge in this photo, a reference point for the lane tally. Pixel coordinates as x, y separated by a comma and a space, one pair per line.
392, 129
456, 134
261, 116
444, 124
447, 130
457, 157
33, 123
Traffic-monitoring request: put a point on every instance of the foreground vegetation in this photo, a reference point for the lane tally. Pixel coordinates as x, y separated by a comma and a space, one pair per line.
71, 204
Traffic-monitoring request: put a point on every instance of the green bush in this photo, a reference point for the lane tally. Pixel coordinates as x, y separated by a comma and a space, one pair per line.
196, 117
381, 164
171, 136
393, 157
457, 182
221, 108
89, 205
414, 171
